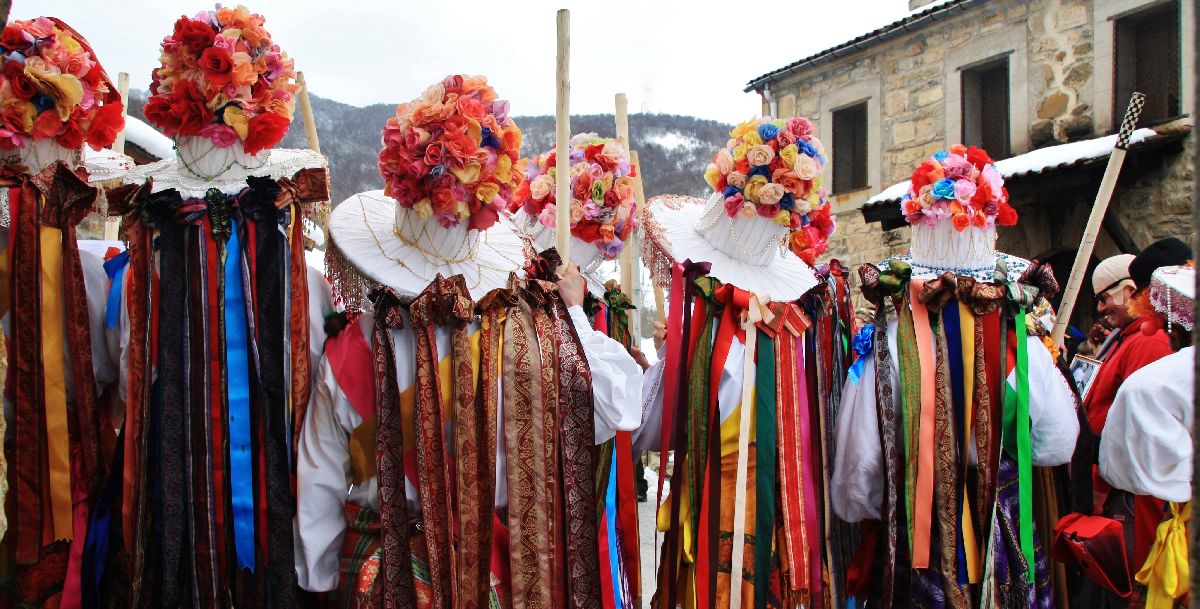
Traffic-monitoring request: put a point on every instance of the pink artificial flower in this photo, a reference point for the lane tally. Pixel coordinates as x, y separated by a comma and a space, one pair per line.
963, 190
222, 135
733, 205
549, 216
957, 167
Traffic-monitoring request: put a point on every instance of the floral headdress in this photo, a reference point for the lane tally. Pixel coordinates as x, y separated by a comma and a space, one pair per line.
53, 88
603, 206
452, 154
772, 168
222, 78
961, 185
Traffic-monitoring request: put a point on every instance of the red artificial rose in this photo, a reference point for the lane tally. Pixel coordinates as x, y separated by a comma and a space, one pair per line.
483, 218
979, 220
13, 38
742, 166
193, 34
106, 124
47, 125
552, 159
404, 190
961, 222
460, 145
189, 104
520, 195
264, 131
582, 189
217, 65
72, 135
22, 87
433, 154
606, 162
978, 157
588, 232
1007, 215
158, 112
590, 152
921, 177
470, 107
958, 149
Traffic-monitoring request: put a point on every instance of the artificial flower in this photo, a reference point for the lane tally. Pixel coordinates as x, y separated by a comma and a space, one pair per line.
264, 131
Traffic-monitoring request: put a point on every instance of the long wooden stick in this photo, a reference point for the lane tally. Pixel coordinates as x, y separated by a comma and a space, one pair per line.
112, 225
1107, 185
310, 124
563, 136
627, 259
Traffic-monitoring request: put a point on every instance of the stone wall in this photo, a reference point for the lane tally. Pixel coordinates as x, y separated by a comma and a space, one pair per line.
915, 81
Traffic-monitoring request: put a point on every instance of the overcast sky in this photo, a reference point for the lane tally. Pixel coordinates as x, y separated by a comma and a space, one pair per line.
680, 57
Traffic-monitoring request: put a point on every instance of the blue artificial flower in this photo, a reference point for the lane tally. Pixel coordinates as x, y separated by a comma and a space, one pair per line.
864, 343
489, 139
767, 131
42, 102
787, 202
731, 190
941, 155
437, 170
807, 148
943, 189
761, 170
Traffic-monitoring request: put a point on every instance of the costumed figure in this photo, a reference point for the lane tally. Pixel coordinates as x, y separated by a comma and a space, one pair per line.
735, 395
956, 402
212, 326
1146, 448
55, 97
603, 218
448, 454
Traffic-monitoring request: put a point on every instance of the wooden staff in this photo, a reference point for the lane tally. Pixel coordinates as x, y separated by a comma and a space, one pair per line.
562, 137
628, 253
1107, 185
310, 125
112, 225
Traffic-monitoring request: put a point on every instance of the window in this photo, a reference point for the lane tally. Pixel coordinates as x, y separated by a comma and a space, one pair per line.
985, 111
1148, 59
850, 148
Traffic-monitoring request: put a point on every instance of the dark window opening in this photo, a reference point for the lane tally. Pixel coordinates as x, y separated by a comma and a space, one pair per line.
985, 108
850, 148
1147, 59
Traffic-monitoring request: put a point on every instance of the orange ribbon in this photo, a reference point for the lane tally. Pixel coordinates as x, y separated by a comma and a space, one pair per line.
922, 518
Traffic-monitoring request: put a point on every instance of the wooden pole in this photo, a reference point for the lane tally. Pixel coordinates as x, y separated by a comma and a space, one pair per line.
627, 257
112, 225
1107, 185
563, 136
310, 125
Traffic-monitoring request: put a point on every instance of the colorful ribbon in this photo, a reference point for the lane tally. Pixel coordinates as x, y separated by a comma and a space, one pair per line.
1166, 574
237, 367
1016, 437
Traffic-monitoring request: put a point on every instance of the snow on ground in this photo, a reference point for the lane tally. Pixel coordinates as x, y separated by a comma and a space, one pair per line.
1038, 160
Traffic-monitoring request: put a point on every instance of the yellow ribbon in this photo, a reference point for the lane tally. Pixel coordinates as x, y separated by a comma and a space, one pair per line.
967, 332
54, 362
1166, 572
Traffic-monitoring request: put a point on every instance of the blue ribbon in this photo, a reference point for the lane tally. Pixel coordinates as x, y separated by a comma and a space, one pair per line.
115, 268
864, 343
237, 373
610, 515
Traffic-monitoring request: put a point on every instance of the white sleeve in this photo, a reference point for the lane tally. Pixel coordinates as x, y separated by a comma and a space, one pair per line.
1054, 424
616, 380
96, 283
322, 474
1146, 447
320, 302
856, 487
649, 435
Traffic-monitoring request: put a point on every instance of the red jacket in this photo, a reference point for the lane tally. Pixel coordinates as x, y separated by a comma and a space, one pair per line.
1135, 350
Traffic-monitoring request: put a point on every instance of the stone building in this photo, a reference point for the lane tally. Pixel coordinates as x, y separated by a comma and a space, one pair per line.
1019, 78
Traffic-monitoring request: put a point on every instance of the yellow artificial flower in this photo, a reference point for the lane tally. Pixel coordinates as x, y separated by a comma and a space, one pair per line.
468, 173
424, 208
752, 187
461, 210
235, 117
783, 218
739, 152
752, 139
67, 41
64, 89
486, 191
712, 175
474, 130
503, 169
789, 155
742, 129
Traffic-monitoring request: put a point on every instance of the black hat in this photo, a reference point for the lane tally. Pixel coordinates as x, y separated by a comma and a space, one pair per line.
1164, 252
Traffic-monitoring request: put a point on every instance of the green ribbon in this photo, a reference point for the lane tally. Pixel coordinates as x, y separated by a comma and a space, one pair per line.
910, 405
618, 319
697, 423
765, 458
1016, 440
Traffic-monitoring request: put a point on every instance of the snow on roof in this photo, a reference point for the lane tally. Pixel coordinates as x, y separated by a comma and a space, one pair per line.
1036, 161
148, 138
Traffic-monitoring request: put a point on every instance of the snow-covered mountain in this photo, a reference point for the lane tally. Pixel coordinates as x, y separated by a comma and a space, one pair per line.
673, 149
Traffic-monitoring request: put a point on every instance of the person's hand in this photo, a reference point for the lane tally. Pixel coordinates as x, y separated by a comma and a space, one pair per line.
640, 358
1098, 334
572, 286
660, 331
